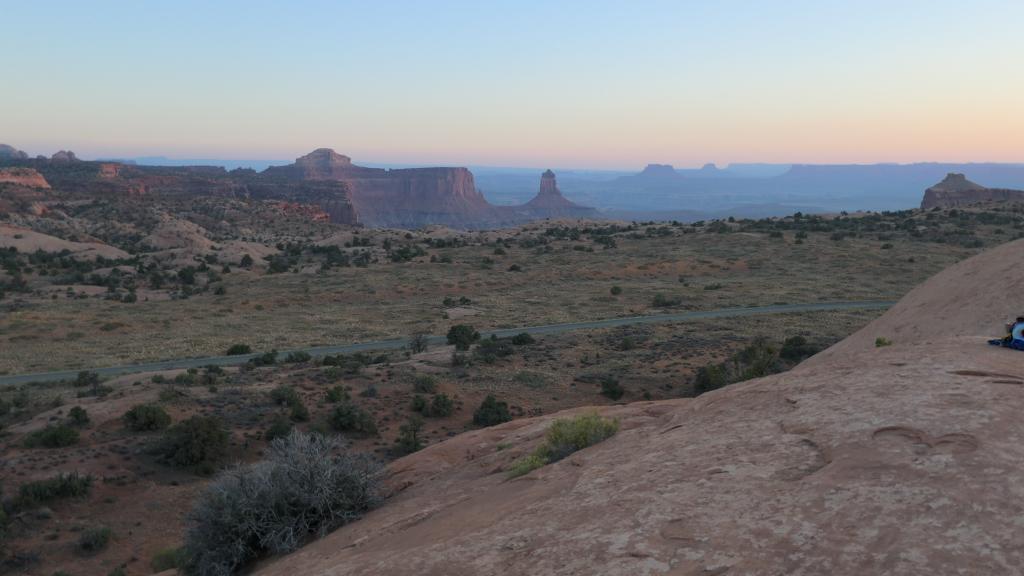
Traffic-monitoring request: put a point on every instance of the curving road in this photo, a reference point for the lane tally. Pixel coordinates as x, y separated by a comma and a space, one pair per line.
394, 344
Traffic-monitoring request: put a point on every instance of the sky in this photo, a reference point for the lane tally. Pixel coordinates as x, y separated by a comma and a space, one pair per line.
585, 84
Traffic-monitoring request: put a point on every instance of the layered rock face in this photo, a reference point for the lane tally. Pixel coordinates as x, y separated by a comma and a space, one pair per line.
956, 191
23, 177
903, 460
549, 202
414, 197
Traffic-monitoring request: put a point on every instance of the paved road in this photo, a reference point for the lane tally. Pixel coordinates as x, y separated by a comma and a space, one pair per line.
182, 363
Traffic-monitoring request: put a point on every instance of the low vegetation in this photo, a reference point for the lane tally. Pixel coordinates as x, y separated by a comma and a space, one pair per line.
566, 435
146, 418
198, 443
301, 489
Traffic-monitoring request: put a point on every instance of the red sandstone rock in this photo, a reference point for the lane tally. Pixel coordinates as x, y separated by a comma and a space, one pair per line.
956, 190
24, 177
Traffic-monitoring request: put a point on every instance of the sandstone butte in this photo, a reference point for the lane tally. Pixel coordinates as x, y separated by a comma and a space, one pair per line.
902, 459
956, 191
23, 177
414, 197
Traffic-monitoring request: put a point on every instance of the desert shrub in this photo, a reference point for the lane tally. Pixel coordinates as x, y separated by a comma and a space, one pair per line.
199, 443
424, 384
441, 406
69, 485
167, 559
408, 440
239, 349
710, 377
93, 540
523, 339
146, 418
86, 378
796, 348
759, 358
615, 290
77, 416
462, 336
419, 404
348, 417
297, 357
302, 489
52, 436
279, 428
610, 388
488, 351
491, 412
284, 395
336, 394
532, 380
370, 391
662, 301
882, 342
565, 437
265, 359
460, 360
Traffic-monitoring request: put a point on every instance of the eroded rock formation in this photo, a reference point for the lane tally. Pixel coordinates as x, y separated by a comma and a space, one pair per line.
23, 177
415, 197
956, 191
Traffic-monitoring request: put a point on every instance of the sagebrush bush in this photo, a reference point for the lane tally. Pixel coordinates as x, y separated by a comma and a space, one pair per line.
78, 416
146, 418
301, 489
566, 435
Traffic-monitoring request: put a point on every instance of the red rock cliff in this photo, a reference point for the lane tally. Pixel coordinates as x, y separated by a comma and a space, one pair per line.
956, 190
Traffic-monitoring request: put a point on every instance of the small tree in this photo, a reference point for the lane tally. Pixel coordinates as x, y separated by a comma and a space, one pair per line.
418, 343
462, 336
199, 442
146, 418
409, 436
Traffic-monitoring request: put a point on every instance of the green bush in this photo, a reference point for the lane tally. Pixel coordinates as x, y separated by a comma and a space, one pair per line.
284, 395
424, 384
565, 437
523, 339
491, 412
462, 336
616, 290
298, 356
488, 351
303, 488
441, 406
797, 348
882, 342
146, 418
265, 359
610, 388
77, 416
419, 404
86, 378
52, 436
167, 559
336, 394
662, 301
200, 443
68, 485
239, 350
348, 417
93, 540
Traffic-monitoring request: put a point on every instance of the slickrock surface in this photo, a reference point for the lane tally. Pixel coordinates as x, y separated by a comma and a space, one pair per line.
903, 459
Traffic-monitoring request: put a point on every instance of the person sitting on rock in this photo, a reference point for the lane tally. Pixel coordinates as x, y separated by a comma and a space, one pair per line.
1017, 334
1014, 337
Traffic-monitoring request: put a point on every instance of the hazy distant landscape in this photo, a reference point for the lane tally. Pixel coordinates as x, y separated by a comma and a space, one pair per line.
462, 288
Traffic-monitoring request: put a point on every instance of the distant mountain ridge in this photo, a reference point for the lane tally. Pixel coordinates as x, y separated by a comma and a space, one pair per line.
956, 190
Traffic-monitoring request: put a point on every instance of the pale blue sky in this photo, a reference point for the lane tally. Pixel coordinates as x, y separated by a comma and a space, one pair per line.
580, 83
